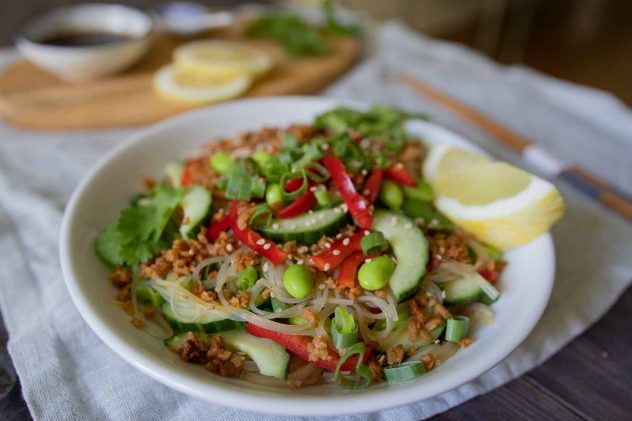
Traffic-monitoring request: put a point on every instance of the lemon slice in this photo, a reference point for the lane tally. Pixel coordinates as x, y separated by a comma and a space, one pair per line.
500, 204
446, 158
221, 58
196, 89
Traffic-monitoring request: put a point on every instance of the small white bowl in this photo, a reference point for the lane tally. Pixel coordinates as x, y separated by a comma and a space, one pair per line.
525, 285
75, 63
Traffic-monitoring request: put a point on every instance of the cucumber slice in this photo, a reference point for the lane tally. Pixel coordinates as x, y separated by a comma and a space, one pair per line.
147, 294
271, 358
307, 228
468, 290
205, 323
400, 336
196, 204
410, 248
174, 171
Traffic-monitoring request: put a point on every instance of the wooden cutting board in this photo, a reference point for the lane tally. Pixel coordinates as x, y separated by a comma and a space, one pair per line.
32, 98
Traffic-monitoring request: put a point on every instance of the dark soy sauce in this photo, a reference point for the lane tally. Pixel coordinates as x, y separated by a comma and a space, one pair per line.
83, 39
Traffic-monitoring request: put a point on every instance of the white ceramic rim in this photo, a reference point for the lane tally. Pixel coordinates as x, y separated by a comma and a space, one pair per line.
369, 400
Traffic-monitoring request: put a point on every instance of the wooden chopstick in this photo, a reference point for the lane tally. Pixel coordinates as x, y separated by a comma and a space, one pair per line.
582, 179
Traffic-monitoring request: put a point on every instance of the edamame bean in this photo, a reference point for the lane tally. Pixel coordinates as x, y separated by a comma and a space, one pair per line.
391, 195
376, 273
220, 162
298, 281
262, 157
247, 279
274, 195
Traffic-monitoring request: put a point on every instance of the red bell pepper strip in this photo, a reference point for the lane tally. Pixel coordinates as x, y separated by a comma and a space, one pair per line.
299, 345
299, 206
399, 174
294, 184
216, 228
252, 239
349, 269
332, 257
372, 184
358, 206
490, 274
185, 180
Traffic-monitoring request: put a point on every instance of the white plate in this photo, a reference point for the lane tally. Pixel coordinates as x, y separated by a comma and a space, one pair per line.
526, 283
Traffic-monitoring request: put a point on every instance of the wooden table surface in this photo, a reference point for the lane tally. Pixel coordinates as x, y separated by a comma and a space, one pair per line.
590, 379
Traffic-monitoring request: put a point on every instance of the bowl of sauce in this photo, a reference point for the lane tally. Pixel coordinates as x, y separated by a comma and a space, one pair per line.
86, 41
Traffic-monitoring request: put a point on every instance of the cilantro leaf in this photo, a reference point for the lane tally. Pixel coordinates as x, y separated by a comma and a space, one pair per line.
137, 235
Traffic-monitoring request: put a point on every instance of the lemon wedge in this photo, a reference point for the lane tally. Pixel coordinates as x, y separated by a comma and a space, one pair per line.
500, 204
191, 88
221, 59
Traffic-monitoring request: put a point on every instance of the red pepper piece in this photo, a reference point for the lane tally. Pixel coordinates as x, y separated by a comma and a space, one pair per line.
294, 184
217, 227
357, 205
329, 259
349, 269
299, 345
399, 174
185, 180
490, 274
251, 239
299, 206
372, 185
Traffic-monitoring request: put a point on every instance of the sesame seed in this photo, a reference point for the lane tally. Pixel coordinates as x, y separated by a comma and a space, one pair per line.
443, 295
229, 247
312, 189
344, 208
275, 226
346, 242
437, 341
310, 212
303, 249
266, 267
434, 222
393, 221
300, 262
267, 246
321, 287
261, 242
408, 225
327, 267
367, 260
293, 226
339, 235
337, 210
366, 192
324, 147
328, 245
364, 172
367, 232
336, 252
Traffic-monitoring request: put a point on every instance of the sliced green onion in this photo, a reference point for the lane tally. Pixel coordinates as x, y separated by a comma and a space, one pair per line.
247, 279
322, 196
490, 293
220, 162
422, 191
274, 169
289, 196
289, 141
261, 217
238, 187
374, 243
318, 173
456, 328
344, 331
363, 374
258, 187
404, 371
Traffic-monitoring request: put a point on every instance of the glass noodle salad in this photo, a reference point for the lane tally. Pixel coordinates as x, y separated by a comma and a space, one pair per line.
303, 255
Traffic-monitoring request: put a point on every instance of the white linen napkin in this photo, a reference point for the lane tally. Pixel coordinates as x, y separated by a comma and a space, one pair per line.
68, 373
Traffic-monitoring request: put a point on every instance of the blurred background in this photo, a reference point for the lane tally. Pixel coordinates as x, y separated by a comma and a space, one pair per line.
584, 41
